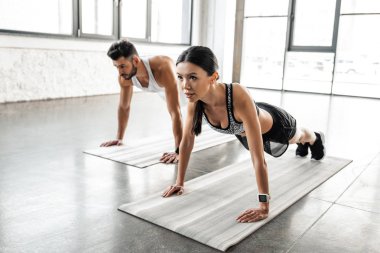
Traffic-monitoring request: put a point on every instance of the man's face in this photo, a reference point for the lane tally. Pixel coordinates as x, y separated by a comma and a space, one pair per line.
126, 67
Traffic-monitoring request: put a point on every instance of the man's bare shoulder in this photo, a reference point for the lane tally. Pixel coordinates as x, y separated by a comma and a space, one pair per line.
161, 63
163, 69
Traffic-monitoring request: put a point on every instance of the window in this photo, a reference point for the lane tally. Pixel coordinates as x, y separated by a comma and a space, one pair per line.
171, 21
263, 52
160, 21
97, 17
309, 71
360, 6
266, 8
357, 70
264, 40
38, 16
134, 16
314, 25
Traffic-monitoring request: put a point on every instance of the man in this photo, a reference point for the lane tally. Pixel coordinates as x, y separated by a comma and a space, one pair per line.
155, 74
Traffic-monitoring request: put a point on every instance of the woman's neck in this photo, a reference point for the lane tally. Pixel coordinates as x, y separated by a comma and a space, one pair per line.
215, 96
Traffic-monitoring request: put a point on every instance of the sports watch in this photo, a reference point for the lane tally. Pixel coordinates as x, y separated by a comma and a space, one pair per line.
263, 198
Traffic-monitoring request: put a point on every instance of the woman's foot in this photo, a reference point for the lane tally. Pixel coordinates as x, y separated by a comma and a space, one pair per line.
302, 149
318, 148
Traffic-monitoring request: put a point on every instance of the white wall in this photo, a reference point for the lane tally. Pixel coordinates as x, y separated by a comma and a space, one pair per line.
35, 68
44, 68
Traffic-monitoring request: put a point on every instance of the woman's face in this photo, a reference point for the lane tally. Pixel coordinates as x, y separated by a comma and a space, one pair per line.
194, 81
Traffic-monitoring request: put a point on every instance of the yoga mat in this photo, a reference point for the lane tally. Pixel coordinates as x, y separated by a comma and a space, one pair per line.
149, 151
208, 209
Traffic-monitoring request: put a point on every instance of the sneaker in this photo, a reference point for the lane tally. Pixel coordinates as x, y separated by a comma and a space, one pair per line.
302, 149
318, 148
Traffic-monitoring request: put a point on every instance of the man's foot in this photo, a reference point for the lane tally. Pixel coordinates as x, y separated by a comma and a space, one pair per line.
318, 148
302, 149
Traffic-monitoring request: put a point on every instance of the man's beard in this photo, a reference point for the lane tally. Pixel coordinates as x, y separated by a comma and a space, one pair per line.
131, 74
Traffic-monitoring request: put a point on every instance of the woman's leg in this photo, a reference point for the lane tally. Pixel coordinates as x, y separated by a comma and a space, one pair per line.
306, 139
303, 135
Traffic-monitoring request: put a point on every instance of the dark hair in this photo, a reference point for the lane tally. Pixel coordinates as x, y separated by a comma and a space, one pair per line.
202, 57
121, 48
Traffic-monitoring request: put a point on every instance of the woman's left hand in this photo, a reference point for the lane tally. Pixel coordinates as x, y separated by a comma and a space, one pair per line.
253, 215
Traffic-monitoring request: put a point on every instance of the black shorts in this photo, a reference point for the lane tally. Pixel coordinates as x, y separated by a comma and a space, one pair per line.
276, 140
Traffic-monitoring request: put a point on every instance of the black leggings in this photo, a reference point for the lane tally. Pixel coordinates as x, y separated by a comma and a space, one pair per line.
276, 140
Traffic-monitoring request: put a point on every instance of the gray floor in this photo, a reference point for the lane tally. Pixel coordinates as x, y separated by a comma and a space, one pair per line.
54, 198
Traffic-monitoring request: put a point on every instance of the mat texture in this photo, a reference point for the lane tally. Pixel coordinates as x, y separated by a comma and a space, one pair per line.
149, 151
207, 210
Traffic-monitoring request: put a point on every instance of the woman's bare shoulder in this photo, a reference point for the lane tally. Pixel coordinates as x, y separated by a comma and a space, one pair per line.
241, 93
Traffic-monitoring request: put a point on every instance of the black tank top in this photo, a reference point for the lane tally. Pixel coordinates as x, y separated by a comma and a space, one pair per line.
234, 126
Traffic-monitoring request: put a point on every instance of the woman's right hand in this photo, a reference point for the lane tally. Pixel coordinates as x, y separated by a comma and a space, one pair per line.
173, 189
112, 143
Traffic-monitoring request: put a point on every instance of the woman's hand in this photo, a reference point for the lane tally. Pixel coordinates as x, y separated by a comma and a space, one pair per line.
253, 214
173, 189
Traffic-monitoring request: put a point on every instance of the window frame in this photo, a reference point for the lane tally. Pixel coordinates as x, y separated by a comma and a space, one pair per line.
116, 31
49, 35
318, 49
115, 23
148, 25
148, 37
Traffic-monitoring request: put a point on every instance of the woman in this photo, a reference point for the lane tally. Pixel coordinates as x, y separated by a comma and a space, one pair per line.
228, 108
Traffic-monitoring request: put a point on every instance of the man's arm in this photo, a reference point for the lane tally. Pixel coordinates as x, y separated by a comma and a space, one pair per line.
123, 110
168, 79
126, 91
172, 102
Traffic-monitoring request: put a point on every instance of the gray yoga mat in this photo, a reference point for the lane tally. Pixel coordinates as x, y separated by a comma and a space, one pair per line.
207, 210
149, 151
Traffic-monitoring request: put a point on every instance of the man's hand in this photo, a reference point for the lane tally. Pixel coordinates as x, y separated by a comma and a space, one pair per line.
253, 214
112, 143
173, 189
169, 157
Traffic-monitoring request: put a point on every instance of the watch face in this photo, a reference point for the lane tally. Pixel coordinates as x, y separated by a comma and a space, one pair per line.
263, 198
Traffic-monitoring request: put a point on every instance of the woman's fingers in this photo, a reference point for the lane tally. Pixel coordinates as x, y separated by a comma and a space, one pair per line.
247, 217
252, 215
168, 192
165, 191
180, 191
243, 214
172, 189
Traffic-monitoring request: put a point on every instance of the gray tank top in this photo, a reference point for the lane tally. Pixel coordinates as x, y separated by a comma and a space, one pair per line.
234, 126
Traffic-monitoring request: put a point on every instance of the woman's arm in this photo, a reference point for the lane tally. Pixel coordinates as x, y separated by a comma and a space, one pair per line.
185, 149
245, 110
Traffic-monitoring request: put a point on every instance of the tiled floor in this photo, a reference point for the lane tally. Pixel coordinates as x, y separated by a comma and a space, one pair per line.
54, 198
